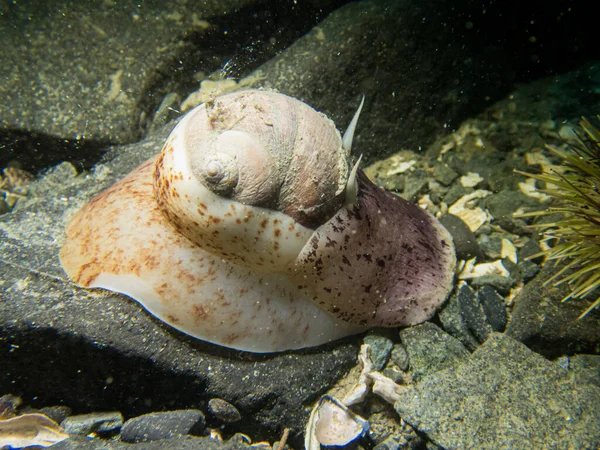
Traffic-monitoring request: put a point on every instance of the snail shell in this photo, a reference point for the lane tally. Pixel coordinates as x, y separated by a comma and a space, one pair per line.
250, 230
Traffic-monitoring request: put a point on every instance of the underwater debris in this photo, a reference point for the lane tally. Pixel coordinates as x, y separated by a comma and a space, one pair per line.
575, 184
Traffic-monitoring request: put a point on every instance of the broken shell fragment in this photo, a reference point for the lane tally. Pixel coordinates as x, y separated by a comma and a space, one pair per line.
30, 430
332, 424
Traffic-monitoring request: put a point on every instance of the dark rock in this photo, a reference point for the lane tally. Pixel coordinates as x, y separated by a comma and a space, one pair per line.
516, 271
415, 184
84, 424
430, 349
493, 306
530, 248
464, 318
117, 353
444, 174
503, 394
223, 410
549, 326
455, 192
465, 242
163, 425
113, 54
528, 270
503, 204
56, 413
472, 311
499, 282
492, 247
381, 349
455, 324
400, 357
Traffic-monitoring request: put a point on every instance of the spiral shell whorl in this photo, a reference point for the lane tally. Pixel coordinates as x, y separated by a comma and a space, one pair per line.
246, 176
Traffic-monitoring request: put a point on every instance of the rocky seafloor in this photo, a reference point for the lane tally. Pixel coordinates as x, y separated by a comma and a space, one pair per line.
504, 364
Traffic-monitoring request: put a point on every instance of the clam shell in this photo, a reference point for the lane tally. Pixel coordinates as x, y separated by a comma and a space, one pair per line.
332, 424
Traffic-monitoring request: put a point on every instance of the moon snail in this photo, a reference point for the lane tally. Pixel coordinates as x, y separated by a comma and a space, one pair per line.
252, 230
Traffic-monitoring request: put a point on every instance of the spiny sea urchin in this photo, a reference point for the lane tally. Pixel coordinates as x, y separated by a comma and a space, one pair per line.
576, 184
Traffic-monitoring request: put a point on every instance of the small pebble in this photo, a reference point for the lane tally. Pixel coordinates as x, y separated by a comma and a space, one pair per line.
500, 283
84, 424
400, 357
530, 248
529, 269
463, 318
223, 410
444, 174
56, 413
465, 241
493, 305
473, 314
163, 425
381, 349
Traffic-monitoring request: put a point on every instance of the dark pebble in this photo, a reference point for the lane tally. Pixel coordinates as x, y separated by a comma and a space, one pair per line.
530, 248
84, 424
400, 357
493, 306
465, 242
444, 174
463, 317
163, 425
56, 413
501, 283
473, 313
529, 270
381, 349
223, 410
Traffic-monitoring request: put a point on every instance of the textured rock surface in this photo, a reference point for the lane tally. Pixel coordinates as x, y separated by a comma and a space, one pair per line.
504, 396
430, 349
95, 350
163, 425
549, 326
78, 75
111, 53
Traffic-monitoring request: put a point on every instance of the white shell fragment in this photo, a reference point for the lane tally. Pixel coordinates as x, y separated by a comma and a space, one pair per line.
332, 424
401, 167
471, 180
537, 158
472, 270
473, 216
30, 430
508, 250
360, 390
528, 188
